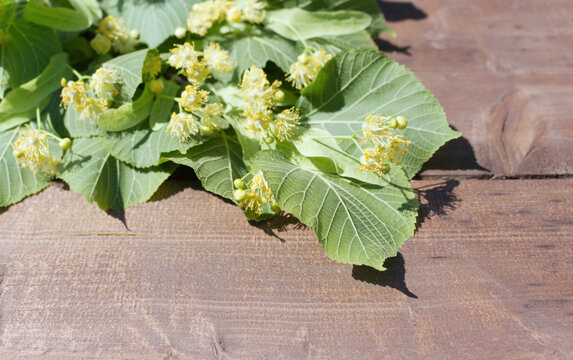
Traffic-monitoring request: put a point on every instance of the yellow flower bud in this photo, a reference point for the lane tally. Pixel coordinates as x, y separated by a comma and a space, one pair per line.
156, 85
65, 143
402, 122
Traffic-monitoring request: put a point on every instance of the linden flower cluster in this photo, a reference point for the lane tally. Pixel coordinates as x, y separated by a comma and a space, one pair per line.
260, 98
104, 86
305, 70
197, 65
389, 147
31, 150
253, 197
204, 15
185, 124
111, 33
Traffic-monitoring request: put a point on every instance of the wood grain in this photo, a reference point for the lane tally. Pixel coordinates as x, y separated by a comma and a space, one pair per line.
503, 72
488, 275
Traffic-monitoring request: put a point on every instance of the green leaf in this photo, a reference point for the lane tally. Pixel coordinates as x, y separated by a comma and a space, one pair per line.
260, 48
129, 69
15, 182
60, 18
370, 7
143, 147
89, 169
154, 20
317, 143
27, 51
217, 162
335, 44
29, 95
79, 128
357, 83
88, 8
8, 121
355, 223
297, 24
127, 115
163, 105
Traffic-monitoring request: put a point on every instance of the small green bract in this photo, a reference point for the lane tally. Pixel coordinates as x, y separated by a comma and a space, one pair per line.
277, 106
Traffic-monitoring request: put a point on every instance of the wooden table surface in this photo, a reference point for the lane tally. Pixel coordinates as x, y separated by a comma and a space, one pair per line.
488, 274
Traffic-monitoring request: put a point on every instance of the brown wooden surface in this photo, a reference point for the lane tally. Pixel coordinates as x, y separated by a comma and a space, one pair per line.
503, 70
488, 275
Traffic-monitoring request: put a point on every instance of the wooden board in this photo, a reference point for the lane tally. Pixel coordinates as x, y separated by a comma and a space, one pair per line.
503, 71
488, 275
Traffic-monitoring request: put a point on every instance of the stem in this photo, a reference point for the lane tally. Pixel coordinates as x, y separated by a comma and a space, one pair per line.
173, 98
38, 119
249, 173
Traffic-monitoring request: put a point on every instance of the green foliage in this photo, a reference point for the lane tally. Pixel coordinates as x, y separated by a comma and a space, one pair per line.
293, 137
27, 49
297, 24
27, 96
154, 20
355, 223
90, 170
358, 83
257, 49
217, 163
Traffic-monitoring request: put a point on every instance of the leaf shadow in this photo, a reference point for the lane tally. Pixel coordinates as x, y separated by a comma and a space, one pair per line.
281, 222
181, 179
394, 276
399, 11
436, 200
394, 12
456, 154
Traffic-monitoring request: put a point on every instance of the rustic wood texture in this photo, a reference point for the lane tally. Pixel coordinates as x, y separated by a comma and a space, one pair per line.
503, 70
488, 275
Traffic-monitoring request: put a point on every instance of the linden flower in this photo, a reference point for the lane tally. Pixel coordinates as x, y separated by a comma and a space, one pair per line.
256, 90
120, 38
101, 44
204, 15
126, 41
184, 57
254, 12
104, 82
234, 15
31, 148
211, 118
192, 98
198, 73
285, 123
92, 108
378, 129
258, 118
305, 70
389, 146
217, 59
73, 92
253, 198
373, 160
182, 126
109, 27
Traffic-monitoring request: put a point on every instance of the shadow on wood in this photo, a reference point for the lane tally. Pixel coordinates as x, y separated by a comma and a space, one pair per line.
394, 276
280, 223
398, 11
436, 199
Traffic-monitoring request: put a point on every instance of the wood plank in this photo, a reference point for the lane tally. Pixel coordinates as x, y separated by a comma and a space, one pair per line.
488, 275
503, 72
